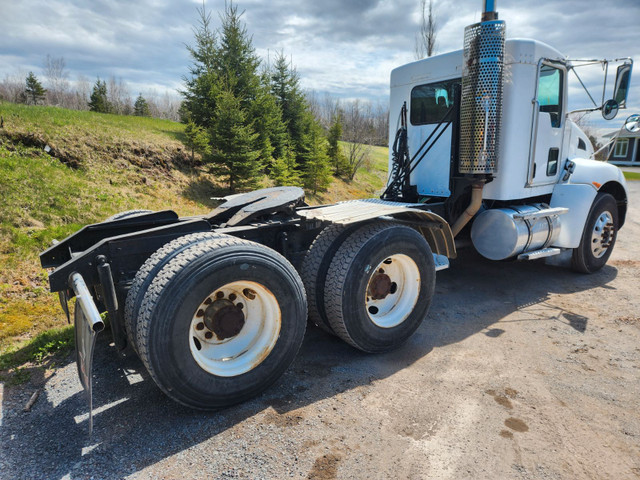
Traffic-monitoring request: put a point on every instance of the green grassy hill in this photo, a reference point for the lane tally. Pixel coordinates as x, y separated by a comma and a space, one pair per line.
61, 169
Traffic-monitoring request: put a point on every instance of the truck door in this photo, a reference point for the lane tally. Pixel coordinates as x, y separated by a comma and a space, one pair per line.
429, 104
548, 125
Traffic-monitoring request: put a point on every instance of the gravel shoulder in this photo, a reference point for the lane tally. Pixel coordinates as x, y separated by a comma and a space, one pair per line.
521, 370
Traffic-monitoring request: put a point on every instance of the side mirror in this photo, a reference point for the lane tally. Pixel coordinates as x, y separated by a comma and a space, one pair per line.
632, 123
621, 87
610, 109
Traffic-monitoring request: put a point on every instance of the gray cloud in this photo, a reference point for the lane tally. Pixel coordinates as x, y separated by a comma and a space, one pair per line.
347, 48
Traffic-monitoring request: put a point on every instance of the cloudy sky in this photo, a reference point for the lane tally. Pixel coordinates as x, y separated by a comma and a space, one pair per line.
345, 47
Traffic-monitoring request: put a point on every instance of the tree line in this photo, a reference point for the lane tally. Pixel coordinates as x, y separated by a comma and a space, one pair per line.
54, 87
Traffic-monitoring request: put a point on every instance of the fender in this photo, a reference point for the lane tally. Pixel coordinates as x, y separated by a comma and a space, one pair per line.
578, 189
434, 228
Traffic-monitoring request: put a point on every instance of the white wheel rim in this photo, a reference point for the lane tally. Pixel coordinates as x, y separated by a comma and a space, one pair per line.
242, 352
602, 234
398, 301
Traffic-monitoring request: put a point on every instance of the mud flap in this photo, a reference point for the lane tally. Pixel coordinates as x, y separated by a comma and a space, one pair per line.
88, 324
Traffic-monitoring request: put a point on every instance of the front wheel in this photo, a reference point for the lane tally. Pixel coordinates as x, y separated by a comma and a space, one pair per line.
379, 286
599, 236
221, 322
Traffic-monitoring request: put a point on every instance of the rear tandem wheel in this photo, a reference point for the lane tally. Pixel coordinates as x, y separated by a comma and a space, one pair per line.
379, 286
221, 322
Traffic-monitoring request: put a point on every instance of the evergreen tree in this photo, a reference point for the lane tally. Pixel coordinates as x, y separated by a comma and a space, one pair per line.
268, 124
283, 171
141, 107
201, 86
34, 91
285, 85
227, 61
316, 169
334, 151
98, 101
236, 62
197, 139
234, 155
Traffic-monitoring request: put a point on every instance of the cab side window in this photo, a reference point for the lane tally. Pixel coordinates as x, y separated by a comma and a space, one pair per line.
430, 103
550, 93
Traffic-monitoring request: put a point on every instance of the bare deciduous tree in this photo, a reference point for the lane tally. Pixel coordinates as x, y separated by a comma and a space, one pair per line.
119, 97
357, 132
12, 86
57, 79
426, 37
81, 93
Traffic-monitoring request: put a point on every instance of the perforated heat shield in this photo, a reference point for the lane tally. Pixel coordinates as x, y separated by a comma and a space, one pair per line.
481, 106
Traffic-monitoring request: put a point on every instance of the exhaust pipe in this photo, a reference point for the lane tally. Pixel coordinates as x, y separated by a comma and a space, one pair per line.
481, 104
472, 209
489, 11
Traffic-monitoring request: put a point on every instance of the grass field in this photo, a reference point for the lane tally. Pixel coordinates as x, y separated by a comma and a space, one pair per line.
96, 165
632, 175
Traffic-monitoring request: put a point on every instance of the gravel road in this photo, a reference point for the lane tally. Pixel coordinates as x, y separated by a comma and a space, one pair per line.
522, 370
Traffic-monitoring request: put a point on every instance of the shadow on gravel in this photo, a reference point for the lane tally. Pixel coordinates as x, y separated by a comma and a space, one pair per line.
135, 425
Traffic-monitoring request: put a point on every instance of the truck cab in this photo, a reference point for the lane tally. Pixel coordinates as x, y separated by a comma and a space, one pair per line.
542, 157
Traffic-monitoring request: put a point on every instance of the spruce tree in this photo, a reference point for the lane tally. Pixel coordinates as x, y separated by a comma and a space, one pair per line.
316, 170
34, 91
202, 84
334, 151
234, 154
283, 171
285, 85
98, 101
268, 124
236, 62
197, 139
141, 107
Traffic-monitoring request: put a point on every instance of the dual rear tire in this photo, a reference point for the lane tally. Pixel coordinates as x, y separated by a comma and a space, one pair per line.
373, 284
217, 319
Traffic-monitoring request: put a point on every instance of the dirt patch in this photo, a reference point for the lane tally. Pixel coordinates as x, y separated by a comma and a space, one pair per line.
325, 467
501, 399
506, 434
628, 320
516, 424
29, 139
283, 420
624, 263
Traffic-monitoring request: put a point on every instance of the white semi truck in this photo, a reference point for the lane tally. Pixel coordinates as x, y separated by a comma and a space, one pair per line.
483, 154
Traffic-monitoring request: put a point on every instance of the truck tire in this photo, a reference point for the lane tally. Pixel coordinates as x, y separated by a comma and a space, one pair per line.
314, 271
127, 213
221, 322
379, 286
147, 273
599, 236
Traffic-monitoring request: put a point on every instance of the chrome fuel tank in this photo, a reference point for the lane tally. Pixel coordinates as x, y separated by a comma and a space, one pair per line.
501, 233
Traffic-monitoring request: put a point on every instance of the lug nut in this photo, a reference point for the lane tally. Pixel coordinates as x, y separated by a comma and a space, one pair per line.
207, 301
208, 335
219, 295
200, 326
232, 297
200, 313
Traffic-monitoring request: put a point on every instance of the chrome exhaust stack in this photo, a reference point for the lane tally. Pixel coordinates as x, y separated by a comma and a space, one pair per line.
481, 104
